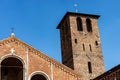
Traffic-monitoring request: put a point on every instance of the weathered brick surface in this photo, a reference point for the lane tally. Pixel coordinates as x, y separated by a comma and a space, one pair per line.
37, 61
73, 54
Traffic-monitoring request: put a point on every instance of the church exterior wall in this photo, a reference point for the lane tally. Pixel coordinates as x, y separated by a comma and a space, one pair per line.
35, 61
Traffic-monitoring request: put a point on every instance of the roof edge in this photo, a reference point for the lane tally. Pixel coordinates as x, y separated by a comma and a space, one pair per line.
40, 54
108, 72
76, 13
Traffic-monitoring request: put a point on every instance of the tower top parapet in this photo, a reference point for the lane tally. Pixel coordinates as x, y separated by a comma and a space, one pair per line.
77, 14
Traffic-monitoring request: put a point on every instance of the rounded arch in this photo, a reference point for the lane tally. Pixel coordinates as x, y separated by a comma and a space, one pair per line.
14, 56
39, 73
89, 25
79, 24
12, 67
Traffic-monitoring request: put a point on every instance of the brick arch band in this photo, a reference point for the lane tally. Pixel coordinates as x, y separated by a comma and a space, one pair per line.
14, 56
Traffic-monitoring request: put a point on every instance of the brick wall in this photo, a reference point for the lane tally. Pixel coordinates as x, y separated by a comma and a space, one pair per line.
72, 41
37, 61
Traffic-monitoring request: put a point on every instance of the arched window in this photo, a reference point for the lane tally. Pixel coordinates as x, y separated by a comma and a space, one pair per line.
79, 24
89, 25
11, 68
38, 77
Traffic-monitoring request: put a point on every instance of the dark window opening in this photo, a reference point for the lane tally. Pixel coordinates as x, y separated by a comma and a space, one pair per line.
79, 24
90, 47
38, 77
96, 43
83, 47
11, 69
88, 24
89, 67
6, 71
76, 41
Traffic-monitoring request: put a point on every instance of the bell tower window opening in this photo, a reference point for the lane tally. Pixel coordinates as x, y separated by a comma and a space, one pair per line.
89, 25
83, 47
96, 43
90, 47
89, 67
76, 41
79, 24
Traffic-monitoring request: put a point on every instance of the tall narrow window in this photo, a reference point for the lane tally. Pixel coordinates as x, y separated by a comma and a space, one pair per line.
76, 41
79, 24
83, 47
89, 25
89, 67
90, 47
96, 43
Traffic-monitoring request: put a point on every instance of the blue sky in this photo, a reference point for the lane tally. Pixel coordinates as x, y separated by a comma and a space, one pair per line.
35, 23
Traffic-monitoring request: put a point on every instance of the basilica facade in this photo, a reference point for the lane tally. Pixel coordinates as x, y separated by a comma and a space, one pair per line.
82, 57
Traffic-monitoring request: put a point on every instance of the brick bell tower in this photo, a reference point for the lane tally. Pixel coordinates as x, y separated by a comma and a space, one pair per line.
80, 44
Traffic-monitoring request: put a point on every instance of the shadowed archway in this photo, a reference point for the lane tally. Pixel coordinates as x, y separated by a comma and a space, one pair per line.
11, 69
